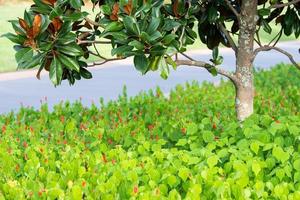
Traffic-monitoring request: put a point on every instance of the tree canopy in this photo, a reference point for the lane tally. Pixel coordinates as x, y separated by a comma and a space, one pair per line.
59, 36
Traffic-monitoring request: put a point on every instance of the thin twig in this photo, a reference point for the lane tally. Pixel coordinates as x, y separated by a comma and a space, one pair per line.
93, 64
185, 55
276, 37
258, 42
228, 37
279, 37
93, 22
208, 66
92, 42
98, 53
232, 9
284, 4
258, 37
268, 48
93, 53
83, 35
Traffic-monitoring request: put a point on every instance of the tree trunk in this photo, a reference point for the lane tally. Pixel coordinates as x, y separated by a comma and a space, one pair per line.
244, 62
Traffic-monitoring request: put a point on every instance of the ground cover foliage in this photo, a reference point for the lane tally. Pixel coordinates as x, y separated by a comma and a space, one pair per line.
185, 146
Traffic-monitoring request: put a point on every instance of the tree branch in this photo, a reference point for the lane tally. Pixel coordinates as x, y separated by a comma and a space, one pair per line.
98, 53
93, 64
268, 48
284, 4
232, 9
258, 41
92, 42
229, 38
83, 35
276, 38
93, 53
188, 57
208, 66
93, 22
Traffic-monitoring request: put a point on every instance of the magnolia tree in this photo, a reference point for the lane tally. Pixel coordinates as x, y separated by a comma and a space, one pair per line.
59, 37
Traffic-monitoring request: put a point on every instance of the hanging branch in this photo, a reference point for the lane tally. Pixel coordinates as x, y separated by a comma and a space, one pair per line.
98, 53
93, 22
83, 35
185, 55
284, 4
97, 63
278, 36
208, 66
104, 59
232, 9
258, 41
93, 53
92, 42
228, 37
268, 48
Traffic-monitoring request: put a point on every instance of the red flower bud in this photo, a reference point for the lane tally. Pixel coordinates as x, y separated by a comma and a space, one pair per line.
104, 158
25, 145
214, 126
135, 189
83, 183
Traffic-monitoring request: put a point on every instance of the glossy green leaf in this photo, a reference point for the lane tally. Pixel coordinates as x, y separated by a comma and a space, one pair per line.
141, 63
71, 49
76, 3
69, 62
85, 73
56, 71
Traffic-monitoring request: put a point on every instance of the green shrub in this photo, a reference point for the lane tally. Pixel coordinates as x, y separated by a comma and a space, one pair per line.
155, 147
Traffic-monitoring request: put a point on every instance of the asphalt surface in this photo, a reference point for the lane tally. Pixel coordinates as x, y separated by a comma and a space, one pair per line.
109, 80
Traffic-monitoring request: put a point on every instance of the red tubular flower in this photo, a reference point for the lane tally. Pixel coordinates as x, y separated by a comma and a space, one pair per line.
104, 158
135, 189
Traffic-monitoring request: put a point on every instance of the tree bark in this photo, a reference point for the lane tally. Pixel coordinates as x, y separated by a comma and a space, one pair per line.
244, 62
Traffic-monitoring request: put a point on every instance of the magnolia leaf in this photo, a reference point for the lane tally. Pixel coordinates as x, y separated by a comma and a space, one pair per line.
56, 71
76, 3
71, 49
171, 62
69, 62
152, 27
85, 73
36, 25
215, 53
141, 63
23, 54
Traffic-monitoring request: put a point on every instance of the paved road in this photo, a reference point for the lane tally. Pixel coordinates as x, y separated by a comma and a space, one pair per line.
108, 82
